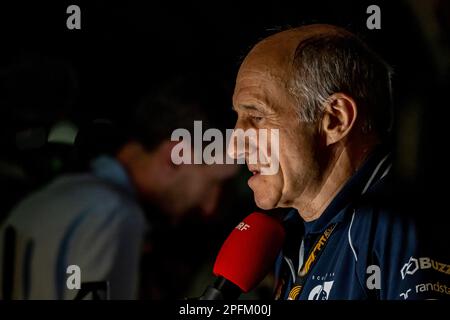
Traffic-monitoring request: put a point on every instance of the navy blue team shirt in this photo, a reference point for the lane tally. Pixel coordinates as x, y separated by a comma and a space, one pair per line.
373, 253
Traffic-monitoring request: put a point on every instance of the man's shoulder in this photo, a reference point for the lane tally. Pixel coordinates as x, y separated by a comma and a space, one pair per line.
74, 194
382, 207
387, 232
384, 228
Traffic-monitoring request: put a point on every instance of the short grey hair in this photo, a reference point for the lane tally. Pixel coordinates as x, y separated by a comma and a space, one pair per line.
332, 63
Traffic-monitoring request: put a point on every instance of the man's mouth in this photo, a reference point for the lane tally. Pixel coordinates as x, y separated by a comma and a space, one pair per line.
254, 170
256, 173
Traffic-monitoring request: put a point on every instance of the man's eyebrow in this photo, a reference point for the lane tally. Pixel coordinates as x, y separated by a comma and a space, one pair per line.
251, 107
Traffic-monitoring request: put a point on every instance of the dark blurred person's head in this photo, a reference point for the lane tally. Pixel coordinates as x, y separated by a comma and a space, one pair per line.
146, 151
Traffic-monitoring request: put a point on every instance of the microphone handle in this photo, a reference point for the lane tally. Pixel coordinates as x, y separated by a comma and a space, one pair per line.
222, 289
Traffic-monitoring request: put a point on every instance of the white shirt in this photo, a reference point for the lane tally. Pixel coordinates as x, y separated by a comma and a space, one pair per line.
90, 220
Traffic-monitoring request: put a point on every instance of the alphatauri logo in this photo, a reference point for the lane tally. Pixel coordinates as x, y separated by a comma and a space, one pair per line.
321, 291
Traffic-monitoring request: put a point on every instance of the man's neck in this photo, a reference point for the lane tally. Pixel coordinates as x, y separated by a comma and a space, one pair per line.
343, 166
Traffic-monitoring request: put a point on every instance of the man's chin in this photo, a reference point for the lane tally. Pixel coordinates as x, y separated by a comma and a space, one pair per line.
264, 203
265, 191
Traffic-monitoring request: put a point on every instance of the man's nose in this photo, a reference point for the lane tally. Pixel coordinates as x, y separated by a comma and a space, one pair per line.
235, 150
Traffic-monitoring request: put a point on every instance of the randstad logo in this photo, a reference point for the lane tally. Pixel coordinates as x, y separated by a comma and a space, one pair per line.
423, 263
436, 287
242, 146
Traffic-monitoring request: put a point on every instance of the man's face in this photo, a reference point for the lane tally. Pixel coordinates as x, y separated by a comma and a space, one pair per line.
262, 101
198, 187
177, 189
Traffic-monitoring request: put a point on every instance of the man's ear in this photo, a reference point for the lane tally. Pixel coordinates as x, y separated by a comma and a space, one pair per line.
338, 117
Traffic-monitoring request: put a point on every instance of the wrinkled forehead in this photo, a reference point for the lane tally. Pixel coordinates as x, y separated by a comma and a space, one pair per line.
266, 72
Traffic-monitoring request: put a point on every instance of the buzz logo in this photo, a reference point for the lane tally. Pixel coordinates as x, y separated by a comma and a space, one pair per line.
410, 267
321, 292
423, 263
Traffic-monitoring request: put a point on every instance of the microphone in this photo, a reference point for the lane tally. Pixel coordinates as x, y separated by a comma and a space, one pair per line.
246, 257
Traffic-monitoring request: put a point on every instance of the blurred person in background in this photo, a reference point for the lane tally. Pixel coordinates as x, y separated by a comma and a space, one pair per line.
95, 219
38, 94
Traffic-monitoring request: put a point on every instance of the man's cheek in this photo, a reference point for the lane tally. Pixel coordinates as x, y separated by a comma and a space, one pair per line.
269, 151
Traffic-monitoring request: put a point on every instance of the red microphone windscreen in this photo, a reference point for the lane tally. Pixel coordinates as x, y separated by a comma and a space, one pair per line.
250, 251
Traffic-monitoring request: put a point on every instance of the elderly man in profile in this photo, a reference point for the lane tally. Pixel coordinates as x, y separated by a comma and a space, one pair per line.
329, 96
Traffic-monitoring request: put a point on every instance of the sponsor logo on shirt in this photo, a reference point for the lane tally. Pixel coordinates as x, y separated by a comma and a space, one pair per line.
436, 287
323, 288
423, 263
405, 294
321, 291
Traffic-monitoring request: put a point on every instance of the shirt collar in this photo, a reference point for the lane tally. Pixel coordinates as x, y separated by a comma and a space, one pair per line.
111, 170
